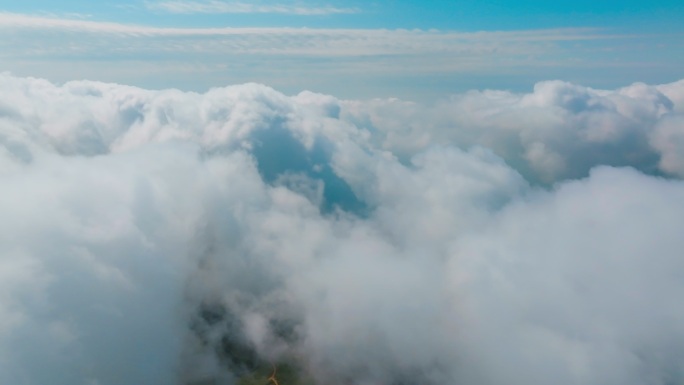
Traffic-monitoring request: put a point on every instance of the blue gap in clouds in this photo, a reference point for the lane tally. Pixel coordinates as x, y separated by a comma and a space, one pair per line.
279, 153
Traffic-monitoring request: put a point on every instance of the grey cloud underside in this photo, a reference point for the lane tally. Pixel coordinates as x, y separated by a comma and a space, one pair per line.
161, 237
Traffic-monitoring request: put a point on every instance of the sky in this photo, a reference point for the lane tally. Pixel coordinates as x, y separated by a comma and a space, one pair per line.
362, 193
416, 50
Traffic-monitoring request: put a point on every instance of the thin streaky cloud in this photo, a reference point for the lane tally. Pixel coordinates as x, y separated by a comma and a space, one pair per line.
41, 22
278, 41
199, 57
191, 7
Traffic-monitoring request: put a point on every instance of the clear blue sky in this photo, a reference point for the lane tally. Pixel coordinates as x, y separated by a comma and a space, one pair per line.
628, 41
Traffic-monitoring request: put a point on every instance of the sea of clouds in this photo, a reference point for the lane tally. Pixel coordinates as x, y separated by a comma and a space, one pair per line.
489, 238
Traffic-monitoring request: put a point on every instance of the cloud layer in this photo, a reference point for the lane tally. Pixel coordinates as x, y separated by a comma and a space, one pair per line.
351, 62
558, 131
489, 238
215, 6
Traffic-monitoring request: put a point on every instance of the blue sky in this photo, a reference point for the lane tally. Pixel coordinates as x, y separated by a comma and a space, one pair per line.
409, 49
468, 15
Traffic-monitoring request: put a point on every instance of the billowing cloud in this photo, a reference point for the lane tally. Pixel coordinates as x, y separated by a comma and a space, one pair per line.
161, 237
558, 131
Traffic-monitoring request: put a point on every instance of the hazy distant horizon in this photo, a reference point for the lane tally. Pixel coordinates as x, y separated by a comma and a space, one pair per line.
407, 49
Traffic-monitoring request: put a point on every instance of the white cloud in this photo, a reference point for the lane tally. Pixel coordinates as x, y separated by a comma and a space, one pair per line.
668, 139
215, 6
128, 213
558, 131
348, 62
320, 42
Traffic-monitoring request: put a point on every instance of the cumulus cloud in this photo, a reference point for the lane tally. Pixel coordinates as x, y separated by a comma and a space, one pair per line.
174, 237
558, 131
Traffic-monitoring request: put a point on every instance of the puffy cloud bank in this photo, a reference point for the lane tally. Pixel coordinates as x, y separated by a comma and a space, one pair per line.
559, 131
163, 237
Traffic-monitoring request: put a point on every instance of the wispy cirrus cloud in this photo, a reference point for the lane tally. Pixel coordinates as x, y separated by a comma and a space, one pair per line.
313, 58
215, 6
302, 41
